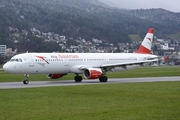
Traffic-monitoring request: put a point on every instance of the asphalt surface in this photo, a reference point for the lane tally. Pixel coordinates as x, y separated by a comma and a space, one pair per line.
11, 85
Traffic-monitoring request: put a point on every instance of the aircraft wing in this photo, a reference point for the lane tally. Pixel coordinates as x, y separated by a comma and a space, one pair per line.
124, 64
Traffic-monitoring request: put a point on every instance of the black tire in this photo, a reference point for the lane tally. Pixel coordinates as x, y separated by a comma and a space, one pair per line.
100, 79
26, 82
103, 79
78, 79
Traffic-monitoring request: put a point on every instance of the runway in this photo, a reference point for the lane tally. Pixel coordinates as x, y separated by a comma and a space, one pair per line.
12, 85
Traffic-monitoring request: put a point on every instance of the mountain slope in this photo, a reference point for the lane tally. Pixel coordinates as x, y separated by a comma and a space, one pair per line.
67, 20
80, 18
160, 16
97, 12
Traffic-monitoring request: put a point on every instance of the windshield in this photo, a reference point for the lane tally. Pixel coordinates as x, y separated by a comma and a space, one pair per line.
15, 60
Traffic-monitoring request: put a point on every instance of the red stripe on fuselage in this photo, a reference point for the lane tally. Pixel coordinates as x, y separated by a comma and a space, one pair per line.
43, 58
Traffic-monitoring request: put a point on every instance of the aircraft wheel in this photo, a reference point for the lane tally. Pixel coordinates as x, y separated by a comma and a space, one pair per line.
103, 79
26, 82
78, 78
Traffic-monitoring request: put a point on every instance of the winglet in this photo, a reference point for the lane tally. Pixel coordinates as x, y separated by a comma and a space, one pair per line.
145, 47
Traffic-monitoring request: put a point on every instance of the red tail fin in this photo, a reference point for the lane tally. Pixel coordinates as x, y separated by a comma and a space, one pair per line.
145, 47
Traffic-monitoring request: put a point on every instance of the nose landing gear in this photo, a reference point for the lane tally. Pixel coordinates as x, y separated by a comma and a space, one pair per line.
26, 81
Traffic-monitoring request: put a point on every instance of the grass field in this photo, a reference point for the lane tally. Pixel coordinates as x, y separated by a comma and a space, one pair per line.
135, 37
127, 101
139, 72
175, 36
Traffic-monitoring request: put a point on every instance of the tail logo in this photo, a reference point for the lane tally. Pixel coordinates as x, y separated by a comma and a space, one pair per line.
149, 39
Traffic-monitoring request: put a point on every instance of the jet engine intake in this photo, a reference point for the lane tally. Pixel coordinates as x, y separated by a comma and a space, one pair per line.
92, 73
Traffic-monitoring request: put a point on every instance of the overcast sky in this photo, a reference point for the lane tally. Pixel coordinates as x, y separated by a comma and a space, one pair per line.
172, 5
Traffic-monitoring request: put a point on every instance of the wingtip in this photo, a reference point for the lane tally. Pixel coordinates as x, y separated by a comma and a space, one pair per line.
151, 30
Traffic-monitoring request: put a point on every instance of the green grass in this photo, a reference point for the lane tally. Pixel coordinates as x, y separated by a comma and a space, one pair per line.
139, 72
148, 72
128, 101
135, 37
175, 36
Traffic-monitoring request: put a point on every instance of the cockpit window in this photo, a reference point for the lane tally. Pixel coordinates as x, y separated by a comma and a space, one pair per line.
11, 60
15, 60
20, 60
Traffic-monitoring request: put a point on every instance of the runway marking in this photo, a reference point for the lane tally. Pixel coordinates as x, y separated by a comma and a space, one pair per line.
32, 84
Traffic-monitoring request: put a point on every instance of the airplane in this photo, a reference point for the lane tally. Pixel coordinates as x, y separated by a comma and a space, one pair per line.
91, 65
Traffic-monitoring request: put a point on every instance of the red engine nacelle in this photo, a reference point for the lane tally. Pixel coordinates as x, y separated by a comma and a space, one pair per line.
92, 73
55, 76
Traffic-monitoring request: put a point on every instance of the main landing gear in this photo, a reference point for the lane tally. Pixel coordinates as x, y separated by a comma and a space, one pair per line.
103, 79
78, 78
26, 81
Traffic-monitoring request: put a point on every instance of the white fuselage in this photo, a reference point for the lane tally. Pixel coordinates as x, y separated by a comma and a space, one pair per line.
64, 63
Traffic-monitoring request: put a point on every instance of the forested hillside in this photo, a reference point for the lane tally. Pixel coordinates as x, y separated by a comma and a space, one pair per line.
80, 18
159, 16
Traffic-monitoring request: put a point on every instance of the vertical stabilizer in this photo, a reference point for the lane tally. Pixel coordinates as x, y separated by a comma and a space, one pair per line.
145, 47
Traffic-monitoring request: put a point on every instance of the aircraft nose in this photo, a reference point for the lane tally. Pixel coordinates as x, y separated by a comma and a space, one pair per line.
6, 67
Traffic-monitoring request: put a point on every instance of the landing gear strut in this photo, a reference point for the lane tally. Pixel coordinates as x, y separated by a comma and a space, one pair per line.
78, 78
26, 81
